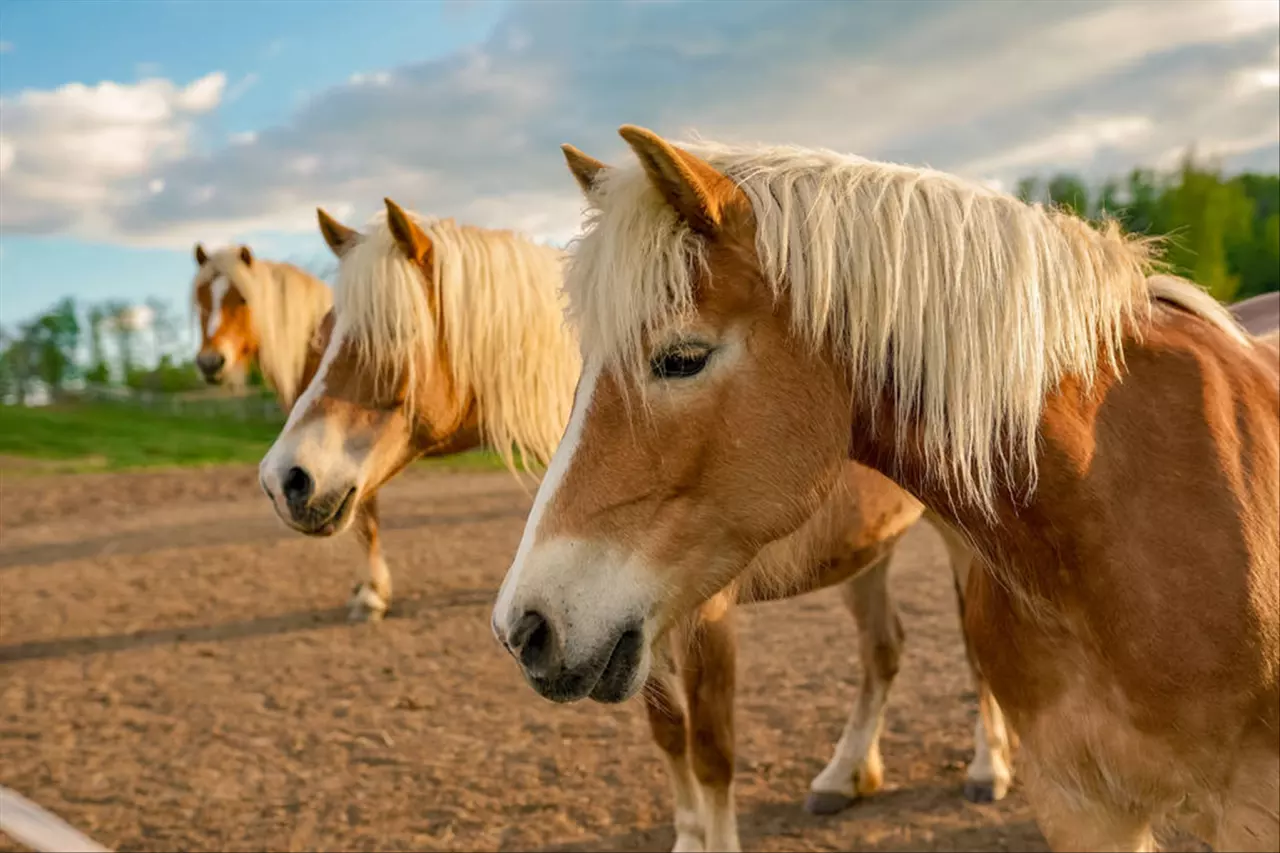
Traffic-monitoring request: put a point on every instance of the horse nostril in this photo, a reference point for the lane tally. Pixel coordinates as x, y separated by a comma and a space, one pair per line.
297, 485
211, 362
535, 643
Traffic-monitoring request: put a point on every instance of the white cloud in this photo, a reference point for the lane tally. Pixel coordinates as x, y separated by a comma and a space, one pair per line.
155, 185
1067, 147
995, 90
377, 78
6, 47
71, 155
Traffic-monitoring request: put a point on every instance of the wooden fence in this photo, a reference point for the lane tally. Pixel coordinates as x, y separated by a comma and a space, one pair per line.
244, 405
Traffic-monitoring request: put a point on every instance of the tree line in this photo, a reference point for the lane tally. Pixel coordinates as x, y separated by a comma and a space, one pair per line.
1222, 232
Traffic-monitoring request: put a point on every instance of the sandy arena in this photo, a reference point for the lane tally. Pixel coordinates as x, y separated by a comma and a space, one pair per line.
176, 672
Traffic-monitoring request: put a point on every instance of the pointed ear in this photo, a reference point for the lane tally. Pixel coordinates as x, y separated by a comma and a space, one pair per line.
690, 185
585, 169
339, 237
412, 240
246, 256
201, 255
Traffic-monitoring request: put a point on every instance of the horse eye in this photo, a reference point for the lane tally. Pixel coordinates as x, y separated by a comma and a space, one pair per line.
679, 363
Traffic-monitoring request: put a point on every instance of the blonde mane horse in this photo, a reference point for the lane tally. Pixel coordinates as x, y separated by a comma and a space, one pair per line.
250, 308
458, 347
1108, 443
447, 335
275, 313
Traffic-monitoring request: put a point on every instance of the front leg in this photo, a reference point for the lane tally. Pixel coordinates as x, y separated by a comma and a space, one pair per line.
709, 667
665, 707
371, 597
856, 769
990, 774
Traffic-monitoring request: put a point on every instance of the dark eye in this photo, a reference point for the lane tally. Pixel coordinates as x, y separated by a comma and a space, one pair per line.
679, 363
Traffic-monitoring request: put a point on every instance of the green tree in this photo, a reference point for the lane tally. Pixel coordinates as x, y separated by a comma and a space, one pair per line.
99, 371
1028, 189
51, 342
1069, 192
1213, 218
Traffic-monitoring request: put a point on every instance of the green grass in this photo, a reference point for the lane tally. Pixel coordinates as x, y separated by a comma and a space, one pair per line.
102, 436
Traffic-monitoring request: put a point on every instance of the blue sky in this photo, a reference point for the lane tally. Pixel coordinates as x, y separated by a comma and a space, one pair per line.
131, 128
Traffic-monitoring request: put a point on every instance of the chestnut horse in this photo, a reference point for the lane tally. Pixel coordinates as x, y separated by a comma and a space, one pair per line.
274, 313
448, 335
1107, 441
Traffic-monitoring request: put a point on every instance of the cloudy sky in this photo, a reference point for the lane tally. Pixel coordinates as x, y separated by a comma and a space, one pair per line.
129, 130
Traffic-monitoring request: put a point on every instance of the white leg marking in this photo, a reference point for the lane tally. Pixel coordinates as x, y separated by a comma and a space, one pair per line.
721, 820
690, 833
989, 776
372, 597
560, 463
857, 762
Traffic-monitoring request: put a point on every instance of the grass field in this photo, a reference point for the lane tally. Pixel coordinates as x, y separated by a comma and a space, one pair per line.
106, 437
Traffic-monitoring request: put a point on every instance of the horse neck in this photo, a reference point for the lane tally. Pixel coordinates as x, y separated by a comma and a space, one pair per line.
1170, 435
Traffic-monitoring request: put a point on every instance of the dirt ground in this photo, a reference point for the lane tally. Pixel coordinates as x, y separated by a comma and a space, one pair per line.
176, 672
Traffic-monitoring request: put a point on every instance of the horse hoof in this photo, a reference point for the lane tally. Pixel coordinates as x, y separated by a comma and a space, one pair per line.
687, 844
981, 792
366, 605
827, 802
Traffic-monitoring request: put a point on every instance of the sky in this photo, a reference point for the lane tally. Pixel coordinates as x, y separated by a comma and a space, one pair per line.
130, 129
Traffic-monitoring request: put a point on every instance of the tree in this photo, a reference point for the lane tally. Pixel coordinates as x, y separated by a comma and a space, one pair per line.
1028, 189
99, 371
1069, 192
50, 343
1215, 218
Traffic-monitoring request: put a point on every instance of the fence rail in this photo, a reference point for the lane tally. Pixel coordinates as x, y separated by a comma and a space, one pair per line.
245, 405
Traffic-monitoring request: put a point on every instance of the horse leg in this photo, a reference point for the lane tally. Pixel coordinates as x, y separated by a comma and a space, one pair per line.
856, 769
990, 774
371, 597
1072, 819
665, 708
710, 672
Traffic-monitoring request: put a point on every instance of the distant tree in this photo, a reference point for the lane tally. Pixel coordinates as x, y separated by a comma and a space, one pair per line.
164, 327
125, 335
99, 371
1069, 192
1141, 210
1028, 189
1214, 218
50, 343
1108, 202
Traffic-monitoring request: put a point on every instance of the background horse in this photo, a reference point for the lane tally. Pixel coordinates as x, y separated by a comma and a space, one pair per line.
753, 317
275, 313
441, 328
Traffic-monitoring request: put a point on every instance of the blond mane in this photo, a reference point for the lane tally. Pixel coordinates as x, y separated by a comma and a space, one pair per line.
500, 322
286, 305
967, 303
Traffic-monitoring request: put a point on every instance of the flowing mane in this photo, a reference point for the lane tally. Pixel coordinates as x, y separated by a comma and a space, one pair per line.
500, 324
286, 305
971, 304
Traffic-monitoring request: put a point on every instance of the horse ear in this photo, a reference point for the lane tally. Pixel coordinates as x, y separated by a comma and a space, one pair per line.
201, 255
339, 237
689, 184
586, 170
246, 256
411, 239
